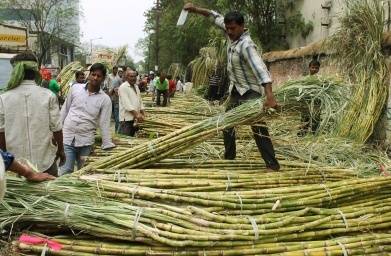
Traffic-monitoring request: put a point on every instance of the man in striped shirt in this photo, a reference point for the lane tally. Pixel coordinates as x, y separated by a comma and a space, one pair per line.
248, 74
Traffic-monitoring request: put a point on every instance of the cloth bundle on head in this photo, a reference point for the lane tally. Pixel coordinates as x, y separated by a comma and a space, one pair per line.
18, 71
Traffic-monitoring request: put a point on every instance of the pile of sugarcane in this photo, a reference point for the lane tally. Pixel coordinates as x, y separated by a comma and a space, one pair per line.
204, 66
359, 54
365, 244
250, 112
119, 54
67, 76
175, 70
220, 179
237, 222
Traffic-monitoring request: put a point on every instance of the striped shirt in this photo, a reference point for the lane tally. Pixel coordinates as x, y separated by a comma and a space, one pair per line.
246, 69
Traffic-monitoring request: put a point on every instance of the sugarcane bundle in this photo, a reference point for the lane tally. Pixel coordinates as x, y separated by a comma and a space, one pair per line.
175, 70
204, 66
358, 45
119, 54
325, 97
67, 76
365, 244
202, 219
220, 179
248, 113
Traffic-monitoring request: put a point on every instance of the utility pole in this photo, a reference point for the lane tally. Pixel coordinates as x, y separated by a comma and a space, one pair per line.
157, 32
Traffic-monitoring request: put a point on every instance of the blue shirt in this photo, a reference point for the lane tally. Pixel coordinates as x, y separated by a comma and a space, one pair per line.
8, 158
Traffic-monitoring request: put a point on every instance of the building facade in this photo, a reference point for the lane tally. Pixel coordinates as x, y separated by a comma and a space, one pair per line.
61, 51
324, 17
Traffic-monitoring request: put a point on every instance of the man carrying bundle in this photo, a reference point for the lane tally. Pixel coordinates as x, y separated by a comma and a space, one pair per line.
247, 74
30, 125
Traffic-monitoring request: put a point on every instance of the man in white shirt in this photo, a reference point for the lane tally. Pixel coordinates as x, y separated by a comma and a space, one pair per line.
116, 81
131, 108
30, 125
86, 108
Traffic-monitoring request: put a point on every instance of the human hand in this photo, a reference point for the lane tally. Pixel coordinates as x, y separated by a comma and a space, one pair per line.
38, 177
270, 102
60, 155
189, 7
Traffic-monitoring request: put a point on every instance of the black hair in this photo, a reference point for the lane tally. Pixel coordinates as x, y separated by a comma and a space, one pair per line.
234, 16
24, 56
78, 74
169, 77
314, 62
98, 66
29, 74
115, 67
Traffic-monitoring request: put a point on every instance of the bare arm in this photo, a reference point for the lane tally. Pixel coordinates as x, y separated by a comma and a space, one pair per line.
198, 10
58, 138
28, 173
270, 100
3, 145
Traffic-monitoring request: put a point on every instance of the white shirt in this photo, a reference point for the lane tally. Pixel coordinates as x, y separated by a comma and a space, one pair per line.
246, 69
29, 115
179, 86
82, 113
2, 180
129, 100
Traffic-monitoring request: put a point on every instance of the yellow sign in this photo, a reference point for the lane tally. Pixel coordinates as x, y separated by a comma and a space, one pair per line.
12, 38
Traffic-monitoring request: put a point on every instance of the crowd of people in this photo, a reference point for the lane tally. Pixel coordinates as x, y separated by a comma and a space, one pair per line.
56, 134
32, 126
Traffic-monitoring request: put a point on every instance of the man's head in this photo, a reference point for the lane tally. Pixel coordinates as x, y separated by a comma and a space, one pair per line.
97, 74
234, 25
115, 70
162, 76
314, 67
29, 74
80, 77
120, 73
131, 76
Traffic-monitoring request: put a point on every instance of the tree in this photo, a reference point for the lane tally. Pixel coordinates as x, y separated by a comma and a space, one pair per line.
269, 22
49, 20
176, 44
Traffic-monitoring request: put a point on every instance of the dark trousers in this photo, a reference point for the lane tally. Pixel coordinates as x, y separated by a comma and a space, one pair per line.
159, 94
212, 93
260, 133
53, 170
127, 128
310, 123
116, 116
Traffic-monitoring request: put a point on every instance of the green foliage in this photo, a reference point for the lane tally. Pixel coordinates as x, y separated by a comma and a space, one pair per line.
269, 21
50, 20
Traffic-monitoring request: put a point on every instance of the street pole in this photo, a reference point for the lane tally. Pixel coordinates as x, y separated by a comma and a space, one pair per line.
157, 32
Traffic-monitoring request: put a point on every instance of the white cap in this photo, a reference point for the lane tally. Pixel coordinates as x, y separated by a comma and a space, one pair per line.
151, 73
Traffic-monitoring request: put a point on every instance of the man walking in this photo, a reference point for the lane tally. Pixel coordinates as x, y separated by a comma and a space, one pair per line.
131, 108
248, 74
113, 92
162, 89
86, 108
30, 125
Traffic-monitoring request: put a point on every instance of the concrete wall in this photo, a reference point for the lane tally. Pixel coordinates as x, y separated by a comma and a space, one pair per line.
313, 11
